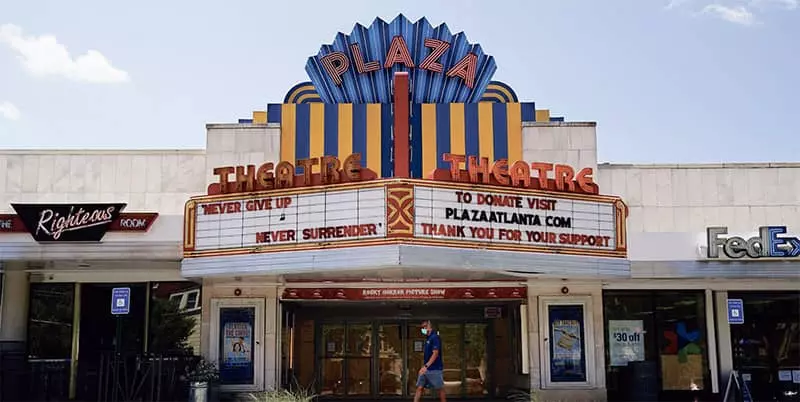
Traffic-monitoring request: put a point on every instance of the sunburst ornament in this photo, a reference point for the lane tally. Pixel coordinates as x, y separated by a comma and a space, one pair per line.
443, 67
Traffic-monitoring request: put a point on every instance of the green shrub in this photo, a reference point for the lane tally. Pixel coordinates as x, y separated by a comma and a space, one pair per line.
281, 396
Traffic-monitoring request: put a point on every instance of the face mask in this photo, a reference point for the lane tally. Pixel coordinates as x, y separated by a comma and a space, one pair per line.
424, 331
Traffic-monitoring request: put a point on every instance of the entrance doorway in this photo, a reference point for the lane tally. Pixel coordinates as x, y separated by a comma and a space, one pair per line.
360, 351
381, 359
103, 332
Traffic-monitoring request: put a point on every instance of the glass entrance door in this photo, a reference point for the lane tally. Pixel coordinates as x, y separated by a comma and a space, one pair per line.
346, 359
464, 356
390, 360
381, 359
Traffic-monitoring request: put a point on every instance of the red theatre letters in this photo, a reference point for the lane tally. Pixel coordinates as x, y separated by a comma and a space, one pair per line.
268, 176
518, 174
337, 63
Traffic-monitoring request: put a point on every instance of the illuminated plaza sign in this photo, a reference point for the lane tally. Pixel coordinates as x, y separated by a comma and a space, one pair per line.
443, 67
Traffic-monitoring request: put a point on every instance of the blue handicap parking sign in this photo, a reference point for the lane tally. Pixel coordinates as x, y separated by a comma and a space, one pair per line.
735, 311
120, 301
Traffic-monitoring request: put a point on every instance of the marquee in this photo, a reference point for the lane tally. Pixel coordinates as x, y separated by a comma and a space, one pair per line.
406, 211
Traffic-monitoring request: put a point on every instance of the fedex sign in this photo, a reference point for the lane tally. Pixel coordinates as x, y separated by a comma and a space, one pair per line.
771, 242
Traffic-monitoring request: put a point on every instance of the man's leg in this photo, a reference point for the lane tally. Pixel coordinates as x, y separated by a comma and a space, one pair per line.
421, 381
436, 379
418, 394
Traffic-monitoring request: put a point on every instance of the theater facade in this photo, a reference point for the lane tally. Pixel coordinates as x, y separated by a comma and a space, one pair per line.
403, 182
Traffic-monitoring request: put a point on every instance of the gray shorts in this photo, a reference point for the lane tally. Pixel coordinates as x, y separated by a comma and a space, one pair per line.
431, 379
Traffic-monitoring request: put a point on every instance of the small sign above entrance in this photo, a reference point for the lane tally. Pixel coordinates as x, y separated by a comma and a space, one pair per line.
411, 293
120, 301
735, 311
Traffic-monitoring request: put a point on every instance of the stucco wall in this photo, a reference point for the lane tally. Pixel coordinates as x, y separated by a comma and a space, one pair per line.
574, 144
149, 181
689, 198
240, 144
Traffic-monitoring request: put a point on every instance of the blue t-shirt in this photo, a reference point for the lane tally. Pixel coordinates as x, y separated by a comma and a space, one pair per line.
431, 344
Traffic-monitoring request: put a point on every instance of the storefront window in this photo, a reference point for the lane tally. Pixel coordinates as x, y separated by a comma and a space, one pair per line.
2, 276
655, 343
766, 348
50, 321
175, 309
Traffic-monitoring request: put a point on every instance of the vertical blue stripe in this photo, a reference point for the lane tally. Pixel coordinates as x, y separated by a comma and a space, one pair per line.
415, 166
471, 141
360, 131
387, 154
442, 133
500, 130
528, 110
274, 113
331, 129
302, 147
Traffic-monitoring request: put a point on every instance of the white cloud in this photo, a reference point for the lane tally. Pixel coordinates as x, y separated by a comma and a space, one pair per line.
737, 15
9, 111
787, 4
674, 3
43, 56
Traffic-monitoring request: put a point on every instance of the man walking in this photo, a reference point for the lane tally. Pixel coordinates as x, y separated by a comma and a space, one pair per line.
430, 375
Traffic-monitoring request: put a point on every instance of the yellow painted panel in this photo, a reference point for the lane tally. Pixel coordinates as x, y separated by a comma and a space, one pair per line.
345, 129
543, 115
374, 137
317, 130
457, 131
429, 156
259, 117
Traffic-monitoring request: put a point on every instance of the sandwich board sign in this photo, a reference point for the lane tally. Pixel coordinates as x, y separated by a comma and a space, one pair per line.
120, 301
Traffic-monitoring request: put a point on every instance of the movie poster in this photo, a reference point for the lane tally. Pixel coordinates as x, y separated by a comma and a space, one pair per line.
567, 346
236, 364
238, 341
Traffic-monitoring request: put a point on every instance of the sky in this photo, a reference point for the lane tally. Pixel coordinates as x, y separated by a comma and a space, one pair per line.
667, 81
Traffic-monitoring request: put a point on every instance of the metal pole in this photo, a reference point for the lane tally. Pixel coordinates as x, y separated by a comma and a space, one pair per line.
117, 349
76, 336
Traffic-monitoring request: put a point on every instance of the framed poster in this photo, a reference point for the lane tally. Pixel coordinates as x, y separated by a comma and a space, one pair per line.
567, 345
236, 364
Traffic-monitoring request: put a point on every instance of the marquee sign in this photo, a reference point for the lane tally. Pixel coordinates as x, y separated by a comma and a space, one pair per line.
408, 211
277, 220
358, 68
476, 216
